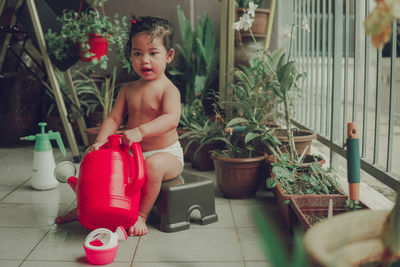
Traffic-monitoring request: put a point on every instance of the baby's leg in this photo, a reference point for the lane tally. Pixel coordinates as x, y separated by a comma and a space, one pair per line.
159, 167
71, 215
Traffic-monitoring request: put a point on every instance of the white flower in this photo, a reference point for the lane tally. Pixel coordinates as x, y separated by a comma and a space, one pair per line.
244, 22
286, 32
252, 9
304, 25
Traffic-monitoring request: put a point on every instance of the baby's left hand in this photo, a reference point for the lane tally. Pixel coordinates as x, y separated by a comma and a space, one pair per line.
130, 136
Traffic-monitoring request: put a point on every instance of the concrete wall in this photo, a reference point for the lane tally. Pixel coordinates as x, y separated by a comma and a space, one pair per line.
168, 10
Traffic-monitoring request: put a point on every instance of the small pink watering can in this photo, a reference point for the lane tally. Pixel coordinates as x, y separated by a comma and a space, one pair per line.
109, 185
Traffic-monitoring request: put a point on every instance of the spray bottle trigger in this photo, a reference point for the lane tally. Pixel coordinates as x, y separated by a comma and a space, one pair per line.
56, 136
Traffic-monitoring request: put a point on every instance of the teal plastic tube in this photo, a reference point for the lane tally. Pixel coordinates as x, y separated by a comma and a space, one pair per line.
353, 160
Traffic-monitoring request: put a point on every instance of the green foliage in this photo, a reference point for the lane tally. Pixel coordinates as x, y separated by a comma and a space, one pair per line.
76, 28
297, 180
198, 56
352, 205
80, 82
192, 113
276, 254
202, 133
93, 98
245, 3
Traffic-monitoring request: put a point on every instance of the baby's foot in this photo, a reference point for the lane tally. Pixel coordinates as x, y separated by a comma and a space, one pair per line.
71, 215
139, 228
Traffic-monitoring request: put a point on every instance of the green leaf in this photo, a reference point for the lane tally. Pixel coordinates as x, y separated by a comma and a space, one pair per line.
249, 137
282, 172
236, 121
271, 183
199, 84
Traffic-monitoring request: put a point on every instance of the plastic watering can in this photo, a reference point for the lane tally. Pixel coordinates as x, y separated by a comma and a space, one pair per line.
109, 185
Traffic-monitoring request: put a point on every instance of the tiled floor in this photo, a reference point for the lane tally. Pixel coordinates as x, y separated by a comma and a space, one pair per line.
29, 237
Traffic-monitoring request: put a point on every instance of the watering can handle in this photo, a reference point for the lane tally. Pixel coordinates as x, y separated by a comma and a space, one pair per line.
138, 159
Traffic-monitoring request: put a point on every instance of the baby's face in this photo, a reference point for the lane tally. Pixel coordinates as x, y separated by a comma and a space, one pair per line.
150, 57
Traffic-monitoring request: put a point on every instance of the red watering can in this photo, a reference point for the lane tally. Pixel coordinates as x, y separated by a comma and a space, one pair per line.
109, 185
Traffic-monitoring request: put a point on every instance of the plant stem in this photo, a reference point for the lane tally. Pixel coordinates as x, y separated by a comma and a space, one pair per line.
292, 150
261, 52
290, 43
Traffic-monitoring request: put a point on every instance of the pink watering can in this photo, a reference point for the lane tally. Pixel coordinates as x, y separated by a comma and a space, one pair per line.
109, 185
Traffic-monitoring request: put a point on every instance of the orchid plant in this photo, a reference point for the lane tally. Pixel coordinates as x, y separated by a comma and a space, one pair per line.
283, 74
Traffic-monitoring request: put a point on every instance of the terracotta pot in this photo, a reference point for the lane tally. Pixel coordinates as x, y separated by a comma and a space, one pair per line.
98, 46
259, 26
240, 177
302, 139
348, 239
201, 160
284, 199
309, 211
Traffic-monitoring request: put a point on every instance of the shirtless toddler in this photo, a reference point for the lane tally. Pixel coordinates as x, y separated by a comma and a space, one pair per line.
152, 104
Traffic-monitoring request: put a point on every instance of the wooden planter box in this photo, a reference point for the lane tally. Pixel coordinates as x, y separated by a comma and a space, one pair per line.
284, 201
311, 211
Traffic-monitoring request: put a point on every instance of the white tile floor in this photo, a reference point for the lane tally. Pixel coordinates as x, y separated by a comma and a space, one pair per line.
29, 237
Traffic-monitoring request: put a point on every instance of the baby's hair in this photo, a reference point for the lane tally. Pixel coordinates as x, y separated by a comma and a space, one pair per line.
155, 27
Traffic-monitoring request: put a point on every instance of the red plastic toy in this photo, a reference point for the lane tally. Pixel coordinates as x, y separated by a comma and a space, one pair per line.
109, 185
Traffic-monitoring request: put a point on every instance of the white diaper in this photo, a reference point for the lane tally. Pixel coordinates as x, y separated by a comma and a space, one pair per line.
174, 149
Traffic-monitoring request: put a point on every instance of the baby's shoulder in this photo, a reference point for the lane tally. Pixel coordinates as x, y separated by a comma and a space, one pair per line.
170, 86
129, 87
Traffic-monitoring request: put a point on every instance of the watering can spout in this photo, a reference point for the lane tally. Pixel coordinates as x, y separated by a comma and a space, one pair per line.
72, 181
65, 172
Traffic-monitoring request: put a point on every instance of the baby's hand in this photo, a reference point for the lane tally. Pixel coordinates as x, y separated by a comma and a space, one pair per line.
130, 136
93, 147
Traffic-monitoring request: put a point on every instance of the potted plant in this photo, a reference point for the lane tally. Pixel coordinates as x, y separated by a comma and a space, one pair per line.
92, 31
93, 99
260, 17
192, 115
200, 143
80, 82
197, 59
288, 169
239, 168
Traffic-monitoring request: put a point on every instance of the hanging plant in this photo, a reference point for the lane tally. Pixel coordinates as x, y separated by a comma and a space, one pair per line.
92, 31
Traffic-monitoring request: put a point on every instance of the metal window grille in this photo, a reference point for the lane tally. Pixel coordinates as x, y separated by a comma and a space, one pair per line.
348, 80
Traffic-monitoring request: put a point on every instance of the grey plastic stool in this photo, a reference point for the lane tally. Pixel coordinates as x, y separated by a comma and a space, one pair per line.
180, 196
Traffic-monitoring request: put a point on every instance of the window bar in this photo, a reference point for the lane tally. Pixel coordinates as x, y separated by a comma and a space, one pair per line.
303, 63
356, 59
318, 63
323, 62
329, 62
309, 69
377, 105
306, 81
313, 65
346, 69
296, 55
392, 98
366, 85
337, 85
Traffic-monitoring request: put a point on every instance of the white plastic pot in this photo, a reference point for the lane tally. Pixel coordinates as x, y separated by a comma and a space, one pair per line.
348, 239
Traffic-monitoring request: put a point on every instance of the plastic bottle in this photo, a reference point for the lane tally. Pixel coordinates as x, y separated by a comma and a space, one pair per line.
43, 159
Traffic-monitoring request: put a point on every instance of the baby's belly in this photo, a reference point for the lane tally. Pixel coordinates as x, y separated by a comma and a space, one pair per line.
159, 142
